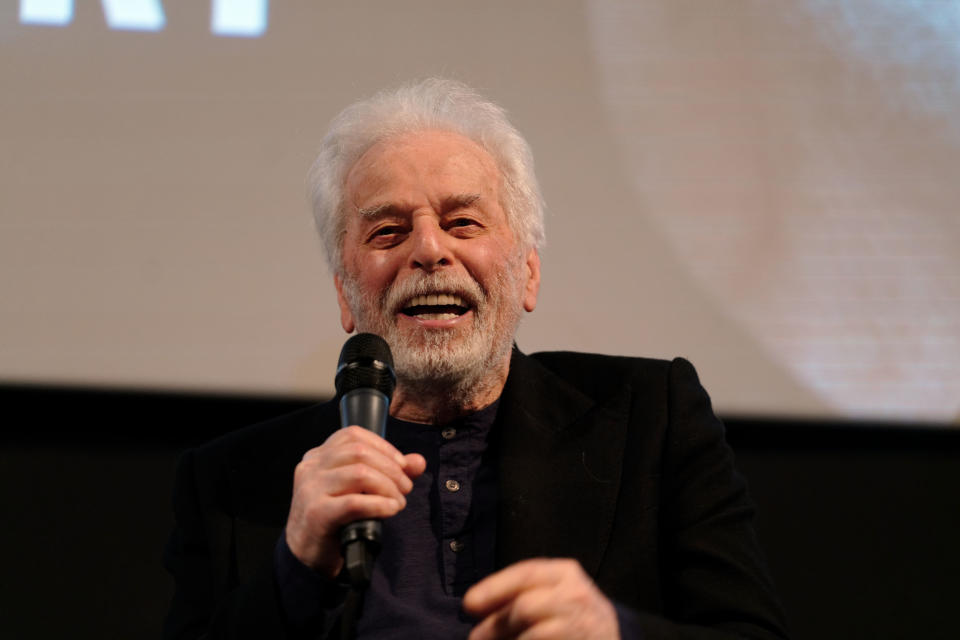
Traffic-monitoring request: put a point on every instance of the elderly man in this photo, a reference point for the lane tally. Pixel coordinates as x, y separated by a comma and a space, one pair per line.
558, 495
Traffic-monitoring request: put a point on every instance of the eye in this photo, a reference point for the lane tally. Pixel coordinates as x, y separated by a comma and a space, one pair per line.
463, 226
386, 235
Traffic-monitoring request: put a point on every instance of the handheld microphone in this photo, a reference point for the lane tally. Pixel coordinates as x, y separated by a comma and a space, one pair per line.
365, 381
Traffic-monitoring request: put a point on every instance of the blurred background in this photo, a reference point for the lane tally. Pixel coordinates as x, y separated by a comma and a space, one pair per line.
769, 189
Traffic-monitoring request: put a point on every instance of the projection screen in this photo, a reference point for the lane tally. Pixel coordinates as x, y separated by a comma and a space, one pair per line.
769, 189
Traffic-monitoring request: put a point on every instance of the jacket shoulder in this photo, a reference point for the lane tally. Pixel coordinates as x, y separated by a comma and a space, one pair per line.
305, 424
257, 455
594, 373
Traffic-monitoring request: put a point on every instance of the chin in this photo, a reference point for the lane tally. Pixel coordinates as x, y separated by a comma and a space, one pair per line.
440, 360
459, 360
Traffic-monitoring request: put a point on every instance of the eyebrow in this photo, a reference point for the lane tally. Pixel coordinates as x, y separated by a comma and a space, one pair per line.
376, 210
453, 203
450, 203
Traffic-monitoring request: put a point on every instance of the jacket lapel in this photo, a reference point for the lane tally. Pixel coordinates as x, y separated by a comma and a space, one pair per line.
559, 466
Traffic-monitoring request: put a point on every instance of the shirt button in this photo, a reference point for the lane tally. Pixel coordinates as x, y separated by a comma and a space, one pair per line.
448, 433
456, 546
452, 485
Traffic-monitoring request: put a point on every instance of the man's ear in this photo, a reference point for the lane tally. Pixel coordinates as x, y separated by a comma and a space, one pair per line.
346, 316
532, 287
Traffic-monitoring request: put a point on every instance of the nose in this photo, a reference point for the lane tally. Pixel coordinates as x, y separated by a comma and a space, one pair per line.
430, 246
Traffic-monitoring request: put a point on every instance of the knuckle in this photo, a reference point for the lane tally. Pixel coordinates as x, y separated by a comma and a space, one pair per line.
569, 565
582, 597
333, 438
354, 506
350, 503
353, 431
312, 453
359, 471
357, 451
570, 570
522, 613
301, 471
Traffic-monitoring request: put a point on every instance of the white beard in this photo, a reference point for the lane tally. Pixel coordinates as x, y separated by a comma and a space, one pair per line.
459, 361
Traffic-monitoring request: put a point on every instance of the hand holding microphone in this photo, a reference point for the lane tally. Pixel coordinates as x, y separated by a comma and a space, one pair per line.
355, 476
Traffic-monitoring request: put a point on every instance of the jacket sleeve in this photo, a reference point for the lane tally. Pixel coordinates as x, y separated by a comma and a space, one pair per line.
210, 599
207, 603
233, 575
713, 575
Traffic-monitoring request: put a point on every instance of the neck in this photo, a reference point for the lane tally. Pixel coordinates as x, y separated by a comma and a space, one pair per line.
439, 402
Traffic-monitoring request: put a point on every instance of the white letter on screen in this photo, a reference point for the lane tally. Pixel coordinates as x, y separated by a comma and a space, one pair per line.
247, 18
52, 12
134, 15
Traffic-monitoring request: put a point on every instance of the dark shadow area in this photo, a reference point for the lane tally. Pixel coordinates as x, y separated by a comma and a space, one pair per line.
860, 523
859, 520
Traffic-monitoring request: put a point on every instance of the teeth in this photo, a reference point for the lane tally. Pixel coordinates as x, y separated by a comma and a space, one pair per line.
437, 316
436, 299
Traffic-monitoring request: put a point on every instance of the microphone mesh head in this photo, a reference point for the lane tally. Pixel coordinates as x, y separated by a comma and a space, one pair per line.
365, 361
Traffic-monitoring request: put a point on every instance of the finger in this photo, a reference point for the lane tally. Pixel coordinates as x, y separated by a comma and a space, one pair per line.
412, 464
358, 478
358, 506
492, 627
415, 464
531, 607
495, 591
549, 629
356, 433
528, 609
354, 452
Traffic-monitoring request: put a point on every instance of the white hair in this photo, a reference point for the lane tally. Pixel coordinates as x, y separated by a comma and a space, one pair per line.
431, 104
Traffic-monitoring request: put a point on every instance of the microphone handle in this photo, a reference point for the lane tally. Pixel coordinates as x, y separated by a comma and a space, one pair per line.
365, 407
360, 541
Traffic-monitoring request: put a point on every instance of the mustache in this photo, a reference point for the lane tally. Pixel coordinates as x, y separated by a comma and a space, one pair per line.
396, 297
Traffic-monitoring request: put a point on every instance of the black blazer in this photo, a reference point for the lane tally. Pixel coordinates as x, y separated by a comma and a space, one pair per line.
617, 462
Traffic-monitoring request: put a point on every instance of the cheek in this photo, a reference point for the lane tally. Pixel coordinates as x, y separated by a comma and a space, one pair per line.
494, 257
380, 276
374, 272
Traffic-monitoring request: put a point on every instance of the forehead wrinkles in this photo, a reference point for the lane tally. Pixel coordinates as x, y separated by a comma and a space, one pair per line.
422, 163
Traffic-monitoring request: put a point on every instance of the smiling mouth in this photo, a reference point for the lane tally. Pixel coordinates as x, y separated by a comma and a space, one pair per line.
439, 306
